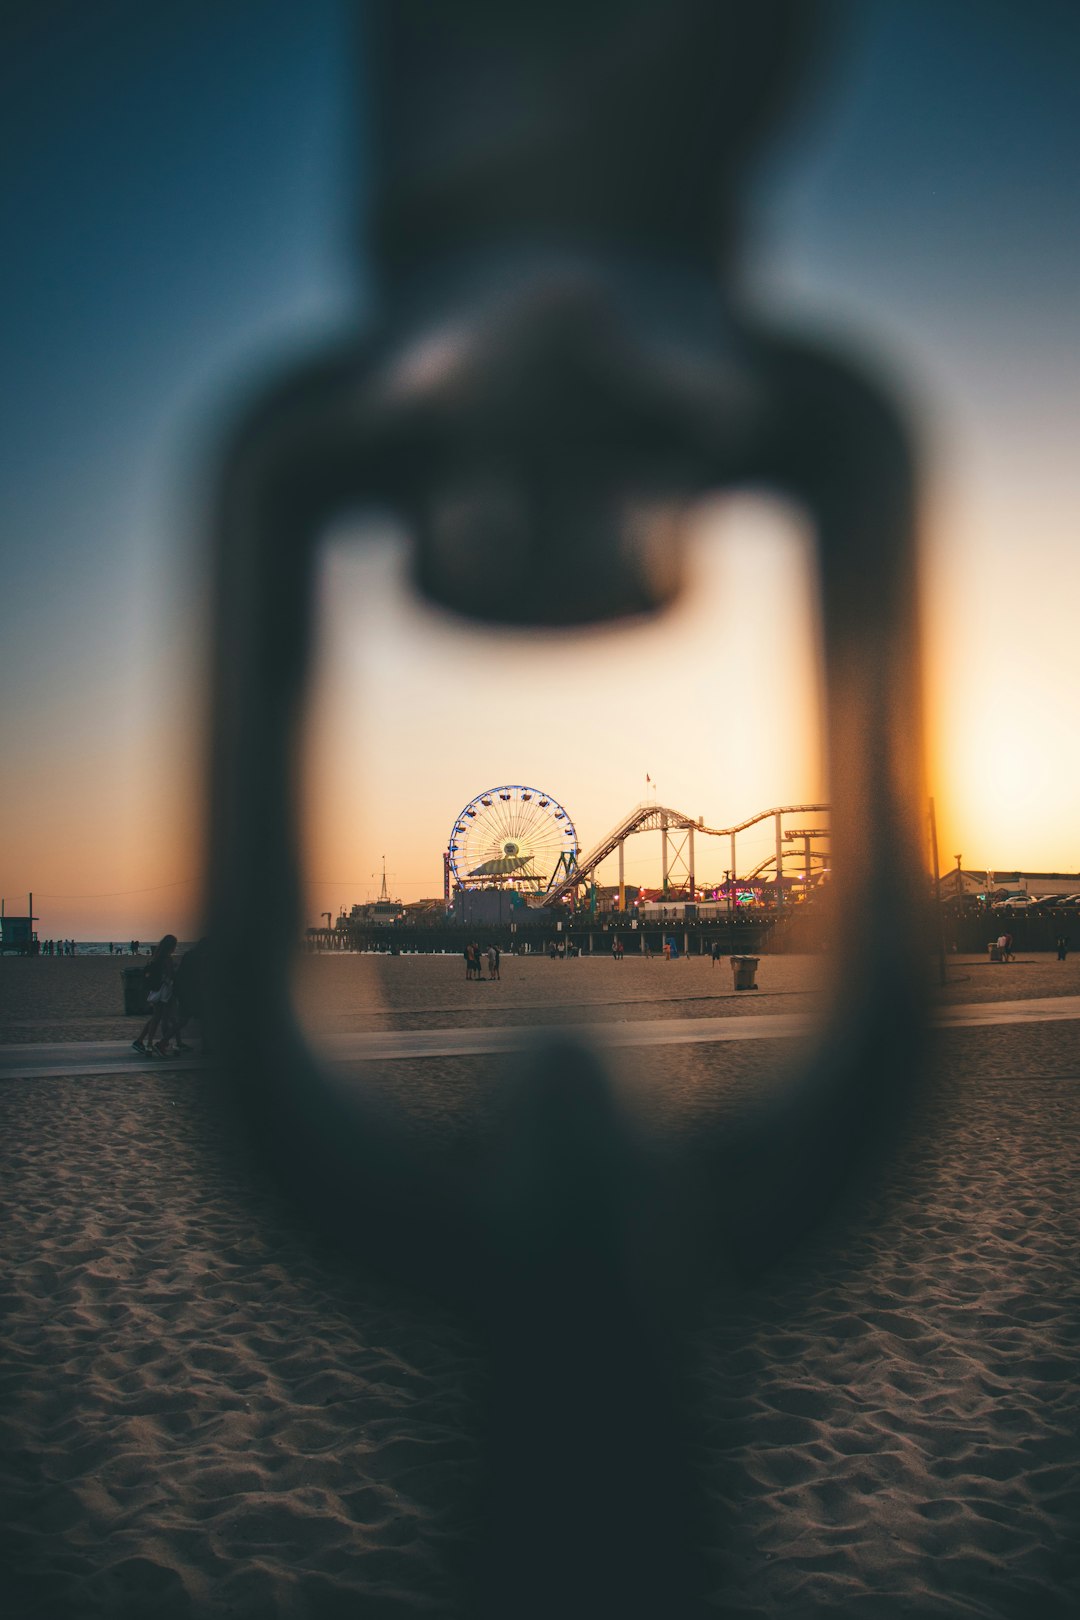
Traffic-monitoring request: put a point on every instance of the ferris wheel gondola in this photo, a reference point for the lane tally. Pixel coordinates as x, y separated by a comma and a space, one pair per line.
512, 837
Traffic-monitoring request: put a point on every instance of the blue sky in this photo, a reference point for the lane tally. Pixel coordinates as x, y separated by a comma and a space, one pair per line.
183, 192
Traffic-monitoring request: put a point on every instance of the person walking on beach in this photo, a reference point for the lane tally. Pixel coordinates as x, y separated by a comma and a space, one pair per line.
158, 983
1062, 946
493, 961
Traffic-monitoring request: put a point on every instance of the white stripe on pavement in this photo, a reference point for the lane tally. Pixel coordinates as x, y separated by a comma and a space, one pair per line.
63, 1059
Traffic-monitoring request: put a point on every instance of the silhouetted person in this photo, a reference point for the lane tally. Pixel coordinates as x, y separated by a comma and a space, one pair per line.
158, 983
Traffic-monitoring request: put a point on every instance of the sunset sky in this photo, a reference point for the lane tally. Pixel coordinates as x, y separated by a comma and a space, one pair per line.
178, 220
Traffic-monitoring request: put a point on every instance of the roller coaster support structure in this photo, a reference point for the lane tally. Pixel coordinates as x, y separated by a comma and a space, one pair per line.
677, 855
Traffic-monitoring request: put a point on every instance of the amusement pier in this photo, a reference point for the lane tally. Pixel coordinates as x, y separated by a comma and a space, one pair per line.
514, 871
514, 875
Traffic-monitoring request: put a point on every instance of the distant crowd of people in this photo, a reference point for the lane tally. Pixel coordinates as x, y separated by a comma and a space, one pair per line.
70, 947
174, 996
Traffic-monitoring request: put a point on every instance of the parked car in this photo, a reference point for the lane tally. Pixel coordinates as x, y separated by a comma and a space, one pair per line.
1015, 902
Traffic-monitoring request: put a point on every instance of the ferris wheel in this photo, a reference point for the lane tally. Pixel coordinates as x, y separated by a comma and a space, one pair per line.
512, 837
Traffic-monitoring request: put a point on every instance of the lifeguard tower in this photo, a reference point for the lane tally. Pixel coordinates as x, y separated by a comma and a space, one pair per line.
17, 933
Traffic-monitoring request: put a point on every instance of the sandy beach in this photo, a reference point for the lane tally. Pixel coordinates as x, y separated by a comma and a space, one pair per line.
204, 1416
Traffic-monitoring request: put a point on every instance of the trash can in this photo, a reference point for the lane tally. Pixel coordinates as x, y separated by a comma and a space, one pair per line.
743, 969
134, 990
995, 951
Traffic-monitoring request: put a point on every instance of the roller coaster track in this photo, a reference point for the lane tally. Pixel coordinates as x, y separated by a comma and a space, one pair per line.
654, 818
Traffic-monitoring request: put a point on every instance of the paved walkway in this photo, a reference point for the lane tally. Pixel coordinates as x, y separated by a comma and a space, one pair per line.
65, 1059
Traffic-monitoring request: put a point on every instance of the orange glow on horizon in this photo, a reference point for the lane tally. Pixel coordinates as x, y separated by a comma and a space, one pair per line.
413, 714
